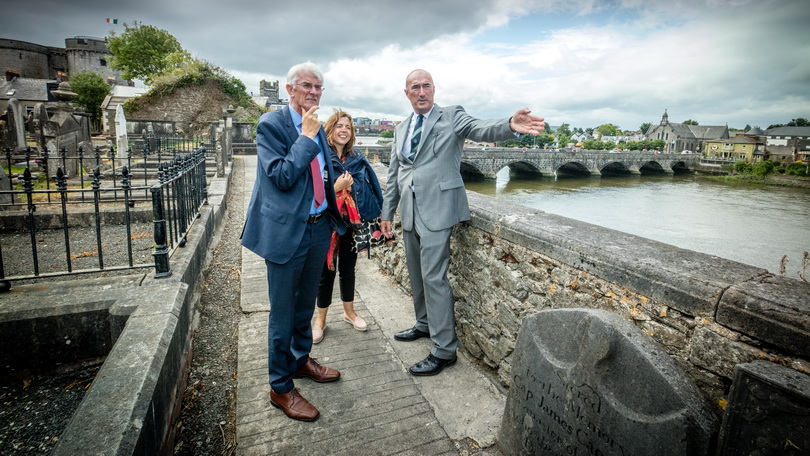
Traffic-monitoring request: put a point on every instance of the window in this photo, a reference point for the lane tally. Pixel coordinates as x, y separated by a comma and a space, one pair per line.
102, 62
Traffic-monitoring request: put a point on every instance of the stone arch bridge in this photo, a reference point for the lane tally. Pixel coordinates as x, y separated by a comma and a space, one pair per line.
532, 163
546, 163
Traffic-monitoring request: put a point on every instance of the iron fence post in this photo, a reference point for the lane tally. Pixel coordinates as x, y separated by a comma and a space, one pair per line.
96, 185
28, 188
161, 252
61, 186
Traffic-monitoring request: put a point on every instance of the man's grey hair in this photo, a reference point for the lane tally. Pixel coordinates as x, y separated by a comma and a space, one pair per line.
297, 71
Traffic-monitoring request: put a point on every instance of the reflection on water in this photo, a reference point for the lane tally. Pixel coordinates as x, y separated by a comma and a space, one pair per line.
749, 223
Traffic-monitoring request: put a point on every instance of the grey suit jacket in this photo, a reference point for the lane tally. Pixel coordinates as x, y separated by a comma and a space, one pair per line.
433, 179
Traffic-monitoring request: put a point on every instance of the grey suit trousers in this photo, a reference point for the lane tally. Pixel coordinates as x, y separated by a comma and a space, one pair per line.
428, 256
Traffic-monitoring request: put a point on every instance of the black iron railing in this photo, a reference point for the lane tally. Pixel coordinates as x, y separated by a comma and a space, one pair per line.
143, 166
177, 197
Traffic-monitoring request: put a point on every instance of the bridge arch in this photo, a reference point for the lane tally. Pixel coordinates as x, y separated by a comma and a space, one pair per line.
681, 167
470, 172
575, 169
652, 168
616, 169
525, 170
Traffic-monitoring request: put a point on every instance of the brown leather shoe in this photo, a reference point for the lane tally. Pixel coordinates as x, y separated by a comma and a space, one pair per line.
294, 405
315, 371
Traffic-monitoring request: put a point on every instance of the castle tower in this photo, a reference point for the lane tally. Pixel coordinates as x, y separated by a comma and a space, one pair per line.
86, 53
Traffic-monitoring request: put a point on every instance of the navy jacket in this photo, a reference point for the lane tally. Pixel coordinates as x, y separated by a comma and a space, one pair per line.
279, 207
366, 189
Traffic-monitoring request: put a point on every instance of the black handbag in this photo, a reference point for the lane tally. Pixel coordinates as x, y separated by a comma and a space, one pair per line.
367, 235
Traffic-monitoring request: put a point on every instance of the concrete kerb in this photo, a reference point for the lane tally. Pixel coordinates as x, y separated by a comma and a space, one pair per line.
131, 405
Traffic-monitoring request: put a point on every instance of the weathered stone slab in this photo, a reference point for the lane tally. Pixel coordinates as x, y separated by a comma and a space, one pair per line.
768, 412
775, 309
588, 382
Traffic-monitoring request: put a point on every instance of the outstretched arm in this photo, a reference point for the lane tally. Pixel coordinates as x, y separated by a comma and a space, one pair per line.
524, 122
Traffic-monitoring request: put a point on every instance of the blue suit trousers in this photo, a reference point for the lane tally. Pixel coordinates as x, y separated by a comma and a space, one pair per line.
293, 287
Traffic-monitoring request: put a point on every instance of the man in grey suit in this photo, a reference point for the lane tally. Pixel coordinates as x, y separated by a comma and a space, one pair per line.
424, 181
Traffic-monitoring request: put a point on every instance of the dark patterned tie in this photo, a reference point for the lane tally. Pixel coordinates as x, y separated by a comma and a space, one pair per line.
317, 181
417, 135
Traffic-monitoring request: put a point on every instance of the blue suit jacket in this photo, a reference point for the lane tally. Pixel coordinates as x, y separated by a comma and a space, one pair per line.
279, 207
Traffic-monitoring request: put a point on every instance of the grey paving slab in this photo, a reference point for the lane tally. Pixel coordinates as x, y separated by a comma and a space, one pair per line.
376, 407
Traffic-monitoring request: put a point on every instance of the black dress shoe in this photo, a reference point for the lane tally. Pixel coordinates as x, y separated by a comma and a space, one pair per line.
410, 335
431, 365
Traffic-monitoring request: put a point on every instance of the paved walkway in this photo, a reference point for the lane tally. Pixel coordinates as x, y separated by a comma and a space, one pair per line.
377, 407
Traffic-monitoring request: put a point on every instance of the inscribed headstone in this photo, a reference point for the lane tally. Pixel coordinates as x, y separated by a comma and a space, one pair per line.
121, 139
768, 412
589, 382
16, 123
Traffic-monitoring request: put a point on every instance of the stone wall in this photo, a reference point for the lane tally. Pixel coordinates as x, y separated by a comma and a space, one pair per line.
191, 107
28, 59
708, 313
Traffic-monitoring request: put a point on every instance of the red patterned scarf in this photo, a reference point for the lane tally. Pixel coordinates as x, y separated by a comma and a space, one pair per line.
348, 210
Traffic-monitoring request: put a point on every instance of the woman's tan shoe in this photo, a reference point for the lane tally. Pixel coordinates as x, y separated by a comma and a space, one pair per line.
317, 334
358, 322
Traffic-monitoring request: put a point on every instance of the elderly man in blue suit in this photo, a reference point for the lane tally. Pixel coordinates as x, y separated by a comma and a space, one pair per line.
424, 181
288, 223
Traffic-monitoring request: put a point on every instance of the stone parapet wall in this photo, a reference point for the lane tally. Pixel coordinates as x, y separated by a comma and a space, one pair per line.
708, 313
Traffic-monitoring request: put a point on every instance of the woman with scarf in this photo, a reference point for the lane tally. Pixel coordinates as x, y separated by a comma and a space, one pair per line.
359, 200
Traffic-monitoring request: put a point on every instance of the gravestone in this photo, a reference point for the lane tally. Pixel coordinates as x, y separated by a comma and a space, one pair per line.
121, 138
589, 382
16, 125
5, 184
768, 412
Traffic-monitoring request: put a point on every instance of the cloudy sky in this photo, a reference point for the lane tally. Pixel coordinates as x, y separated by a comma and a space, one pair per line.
581, 62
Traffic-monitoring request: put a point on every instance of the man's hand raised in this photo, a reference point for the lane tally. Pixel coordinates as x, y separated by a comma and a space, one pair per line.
309, 123
524, 122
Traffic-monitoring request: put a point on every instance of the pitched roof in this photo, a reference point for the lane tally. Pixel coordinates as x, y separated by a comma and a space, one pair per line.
788, 131
25, 89
708, 131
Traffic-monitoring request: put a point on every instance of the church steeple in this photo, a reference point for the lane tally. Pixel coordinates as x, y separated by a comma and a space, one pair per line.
665, 118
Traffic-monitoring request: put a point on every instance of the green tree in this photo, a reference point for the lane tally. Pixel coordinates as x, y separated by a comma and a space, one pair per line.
800, 122
564, 129
645, 127
742, 167
595, 144
91, 89
143, 51
387, 134
764, 167
563, 140
690, 122
608, 130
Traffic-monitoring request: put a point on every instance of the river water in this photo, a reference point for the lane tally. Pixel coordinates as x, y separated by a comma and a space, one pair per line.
748, 223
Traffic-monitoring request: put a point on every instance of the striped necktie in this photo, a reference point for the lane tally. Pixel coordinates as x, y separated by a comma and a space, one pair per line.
417, 135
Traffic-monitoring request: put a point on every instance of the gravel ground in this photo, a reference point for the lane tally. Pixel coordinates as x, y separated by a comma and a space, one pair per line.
207, 424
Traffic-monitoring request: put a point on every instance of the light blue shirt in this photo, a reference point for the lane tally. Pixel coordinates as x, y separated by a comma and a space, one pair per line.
297, 121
